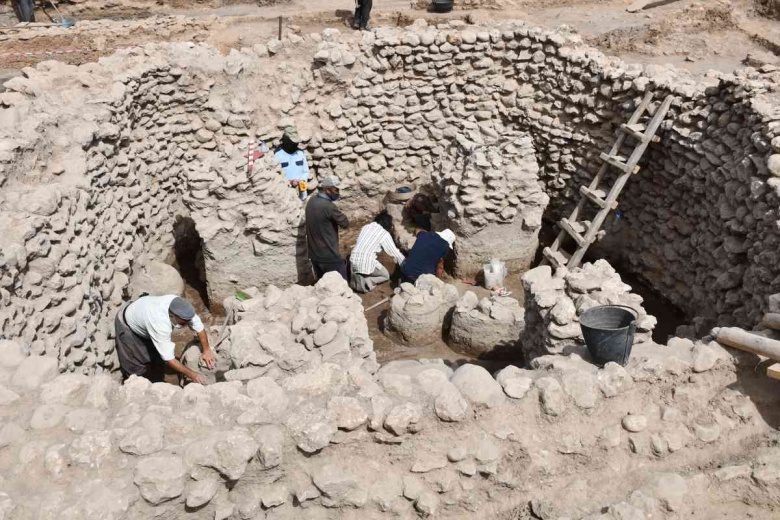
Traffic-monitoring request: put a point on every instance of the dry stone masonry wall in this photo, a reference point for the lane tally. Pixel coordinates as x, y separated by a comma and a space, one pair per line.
331, 439
554, 302
139, 138
491, 198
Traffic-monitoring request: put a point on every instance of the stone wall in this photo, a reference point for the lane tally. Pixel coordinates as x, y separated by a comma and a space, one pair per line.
491, 198
715, 146
124, 145
554, 302
327, 438
92, 189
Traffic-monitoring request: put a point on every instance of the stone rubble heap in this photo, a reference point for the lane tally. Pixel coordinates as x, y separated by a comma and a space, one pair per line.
554, 302
488, 326
419, 312
283, 333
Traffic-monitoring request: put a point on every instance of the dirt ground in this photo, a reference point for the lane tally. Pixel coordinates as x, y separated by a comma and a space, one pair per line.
698, 36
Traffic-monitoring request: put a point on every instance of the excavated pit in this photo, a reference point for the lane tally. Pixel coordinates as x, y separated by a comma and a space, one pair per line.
110, 166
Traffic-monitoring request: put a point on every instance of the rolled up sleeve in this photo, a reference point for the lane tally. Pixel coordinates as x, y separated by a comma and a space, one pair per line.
196, 324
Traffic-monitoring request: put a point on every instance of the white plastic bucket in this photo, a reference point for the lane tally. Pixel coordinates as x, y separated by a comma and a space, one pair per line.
495, 272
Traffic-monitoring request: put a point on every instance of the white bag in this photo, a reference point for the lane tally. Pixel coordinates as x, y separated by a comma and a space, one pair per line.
495, 272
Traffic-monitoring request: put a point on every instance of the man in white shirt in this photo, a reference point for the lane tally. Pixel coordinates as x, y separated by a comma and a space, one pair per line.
143, 336
293, 161
366, 271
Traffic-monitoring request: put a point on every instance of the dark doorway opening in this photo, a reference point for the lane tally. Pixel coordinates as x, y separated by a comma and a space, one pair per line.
188, 259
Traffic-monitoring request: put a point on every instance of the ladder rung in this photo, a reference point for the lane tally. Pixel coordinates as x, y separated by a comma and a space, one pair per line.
618, 162
597, 197
569, 228
556, 258
637, 131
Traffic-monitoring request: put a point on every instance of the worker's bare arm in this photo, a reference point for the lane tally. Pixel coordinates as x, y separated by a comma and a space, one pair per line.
176, 365
440, 269
206, 355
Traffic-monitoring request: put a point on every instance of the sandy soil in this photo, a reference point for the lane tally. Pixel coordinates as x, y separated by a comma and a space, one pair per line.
698, 36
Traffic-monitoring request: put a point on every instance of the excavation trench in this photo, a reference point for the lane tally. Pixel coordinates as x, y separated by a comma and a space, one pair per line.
505, 122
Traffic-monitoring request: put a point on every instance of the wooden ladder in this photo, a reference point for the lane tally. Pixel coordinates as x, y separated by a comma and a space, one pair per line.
585, 233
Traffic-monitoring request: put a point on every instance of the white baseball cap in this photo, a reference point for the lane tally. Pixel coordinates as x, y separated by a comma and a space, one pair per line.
447, 235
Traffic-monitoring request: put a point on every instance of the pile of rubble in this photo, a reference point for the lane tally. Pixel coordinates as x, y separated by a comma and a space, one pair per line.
416, 438
555, 300
292, 331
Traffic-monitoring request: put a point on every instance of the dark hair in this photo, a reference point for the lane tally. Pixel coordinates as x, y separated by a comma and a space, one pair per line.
385, 220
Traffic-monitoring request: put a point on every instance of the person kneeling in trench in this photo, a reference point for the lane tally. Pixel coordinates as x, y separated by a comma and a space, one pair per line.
427, 255
366, 270
143, 337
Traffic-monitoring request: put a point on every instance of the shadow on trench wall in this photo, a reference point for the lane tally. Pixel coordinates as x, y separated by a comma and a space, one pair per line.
188, 259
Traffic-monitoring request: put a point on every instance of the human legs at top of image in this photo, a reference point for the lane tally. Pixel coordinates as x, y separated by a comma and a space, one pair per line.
362, 13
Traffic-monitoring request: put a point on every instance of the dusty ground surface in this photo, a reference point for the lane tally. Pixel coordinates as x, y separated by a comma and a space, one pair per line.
697, 36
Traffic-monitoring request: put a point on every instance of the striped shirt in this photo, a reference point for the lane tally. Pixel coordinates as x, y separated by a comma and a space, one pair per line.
372, 239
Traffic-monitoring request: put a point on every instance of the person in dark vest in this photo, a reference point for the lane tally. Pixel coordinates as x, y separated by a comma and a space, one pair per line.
362, 12
323, 220
427, 255
143, 337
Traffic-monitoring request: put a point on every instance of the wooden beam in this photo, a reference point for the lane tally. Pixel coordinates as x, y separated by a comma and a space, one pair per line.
773, 371
744, 340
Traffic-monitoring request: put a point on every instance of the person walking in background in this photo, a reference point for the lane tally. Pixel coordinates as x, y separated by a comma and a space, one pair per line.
323, 220
427, 255
362, 12
143, 331
293, 161
366, 271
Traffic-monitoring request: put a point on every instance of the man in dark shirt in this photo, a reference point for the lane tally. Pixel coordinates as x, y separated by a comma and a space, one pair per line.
427, 255
323, 218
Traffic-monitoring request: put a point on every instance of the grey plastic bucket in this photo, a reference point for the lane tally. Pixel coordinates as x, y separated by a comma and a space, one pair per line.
609, 333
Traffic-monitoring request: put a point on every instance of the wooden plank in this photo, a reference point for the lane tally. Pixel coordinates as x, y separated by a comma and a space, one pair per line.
556, 258
638, 132
618, 162
596, 197
569, 228
773, 371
